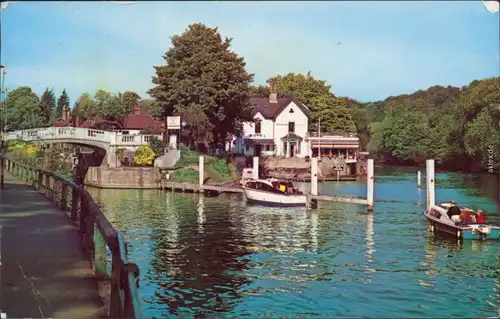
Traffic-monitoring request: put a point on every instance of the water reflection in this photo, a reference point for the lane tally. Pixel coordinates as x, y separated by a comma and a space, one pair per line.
429, 264
202, 256
203, 273
369, 246
281, 230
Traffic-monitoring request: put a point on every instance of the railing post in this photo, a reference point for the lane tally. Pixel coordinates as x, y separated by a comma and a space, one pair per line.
74, 204
48, 192
40, 181
82, 219
64, 197
115, 302
99, 255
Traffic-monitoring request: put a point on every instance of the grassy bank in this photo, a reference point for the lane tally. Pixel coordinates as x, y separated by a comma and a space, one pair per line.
186, 169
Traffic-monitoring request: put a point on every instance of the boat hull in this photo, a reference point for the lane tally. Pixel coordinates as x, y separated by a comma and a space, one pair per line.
466, 232
274, 200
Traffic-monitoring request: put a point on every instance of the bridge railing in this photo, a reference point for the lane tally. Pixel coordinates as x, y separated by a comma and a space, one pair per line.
79, 133
54, 133
97, 233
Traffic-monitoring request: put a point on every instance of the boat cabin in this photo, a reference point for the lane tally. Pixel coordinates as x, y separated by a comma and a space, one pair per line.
274, 186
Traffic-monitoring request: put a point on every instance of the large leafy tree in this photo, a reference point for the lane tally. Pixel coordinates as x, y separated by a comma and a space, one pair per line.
21, 109
47, 107
85, 106
62, 103
128, 100
152, 108
202, 73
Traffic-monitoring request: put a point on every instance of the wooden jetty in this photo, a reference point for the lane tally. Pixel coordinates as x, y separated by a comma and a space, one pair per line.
234, 188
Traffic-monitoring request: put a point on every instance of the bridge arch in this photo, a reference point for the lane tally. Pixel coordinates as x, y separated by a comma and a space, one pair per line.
108, 141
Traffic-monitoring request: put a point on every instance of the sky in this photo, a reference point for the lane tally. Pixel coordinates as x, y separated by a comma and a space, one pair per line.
364, 50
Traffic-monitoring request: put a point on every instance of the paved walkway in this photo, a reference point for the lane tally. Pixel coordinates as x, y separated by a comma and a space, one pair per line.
44, 273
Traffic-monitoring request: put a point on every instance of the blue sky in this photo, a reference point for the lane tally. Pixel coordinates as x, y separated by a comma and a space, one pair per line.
365, 50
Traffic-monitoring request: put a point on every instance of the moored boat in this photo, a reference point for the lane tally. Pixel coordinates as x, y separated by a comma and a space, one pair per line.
273, 192
439, 221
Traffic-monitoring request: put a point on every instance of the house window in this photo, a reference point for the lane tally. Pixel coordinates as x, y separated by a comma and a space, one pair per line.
268, 148
291, 111
291, 127
247, 147
257, 127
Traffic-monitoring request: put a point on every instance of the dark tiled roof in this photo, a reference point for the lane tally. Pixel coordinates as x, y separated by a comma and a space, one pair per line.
62, 123
272, 110
140, 122
292, 136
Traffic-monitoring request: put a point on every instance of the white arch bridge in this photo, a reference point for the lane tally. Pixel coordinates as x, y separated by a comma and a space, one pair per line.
109, 141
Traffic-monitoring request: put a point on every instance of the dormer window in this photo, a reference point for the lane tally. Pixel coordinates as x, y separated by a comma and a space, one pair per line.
257, 127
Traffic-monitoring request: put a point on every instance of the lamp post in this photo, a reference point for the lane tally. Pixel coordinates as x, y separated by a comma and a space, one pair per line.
183, 124
2, 126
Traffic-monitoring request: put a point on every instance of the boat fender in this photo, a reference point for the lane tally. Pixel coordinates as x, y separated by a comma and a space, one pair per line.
459, 234
432, 227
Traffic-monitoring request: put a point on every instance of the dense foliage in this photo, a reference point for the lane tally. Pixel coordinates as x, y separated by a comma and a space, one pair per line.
458, 127
204, 82
157, 146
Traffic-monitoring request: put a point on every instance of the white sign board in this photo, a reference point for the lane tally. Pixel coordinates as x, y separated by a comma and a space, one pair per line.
173, 122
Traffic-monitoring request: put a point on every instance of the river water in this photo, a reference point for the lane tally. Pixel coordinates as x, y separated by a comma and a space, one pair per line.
217, 257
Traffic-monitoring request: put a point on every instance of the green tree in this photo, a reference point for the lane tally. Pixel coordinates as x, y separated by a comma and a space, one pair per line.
128, 100
47, 107
85, 106
108, 105
202, 72
152, 108
157, 145
335, 117
481, 135
335, 113
62, 103
21, 109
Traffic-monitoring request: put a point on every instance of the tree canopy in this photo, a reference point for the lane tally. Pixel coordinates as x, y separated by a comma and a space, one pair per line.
455, 126
22, 109
204, 78
47, 107
62, 103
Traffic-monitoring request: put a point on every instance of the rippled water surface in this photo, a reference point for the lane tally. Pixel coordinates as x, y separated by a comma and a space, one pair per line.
221, 258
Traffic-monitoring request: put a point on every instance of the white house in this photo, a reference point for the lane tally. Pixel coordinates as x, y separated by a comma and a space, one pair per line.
280, 128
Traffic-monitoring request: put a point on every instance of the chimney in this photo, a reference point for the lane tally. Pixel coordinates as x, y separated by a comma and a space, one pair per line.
137, 109
273, 96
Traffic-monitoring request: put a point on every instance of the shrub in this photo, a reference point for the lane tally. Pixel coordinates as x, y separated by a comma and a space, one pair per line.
157, 146
144, 155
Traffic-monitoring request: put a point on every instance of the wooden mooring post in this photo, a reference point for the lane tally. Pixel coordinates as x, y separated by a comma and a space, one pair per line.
430, 183
419, 177
370, 183
313, 198
201, 170
255, 167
